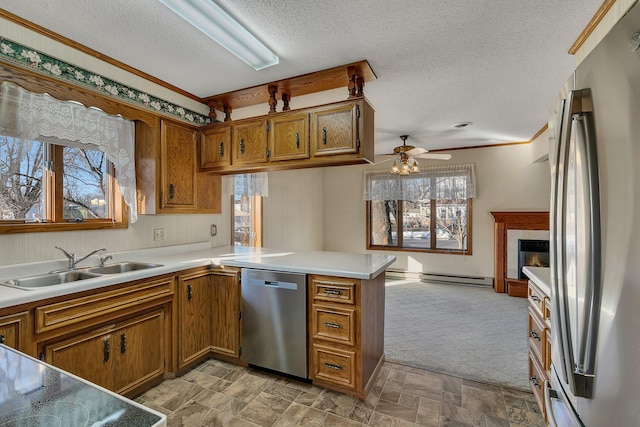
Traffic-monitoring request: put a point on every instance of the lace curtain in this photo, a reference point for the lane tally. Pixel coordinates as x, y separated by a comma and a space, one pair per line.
437, 182
251, 184
31, 116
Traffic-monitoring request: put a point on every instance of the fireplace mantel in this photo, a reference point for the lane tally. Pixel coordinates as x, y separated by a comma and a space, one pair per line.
511, 220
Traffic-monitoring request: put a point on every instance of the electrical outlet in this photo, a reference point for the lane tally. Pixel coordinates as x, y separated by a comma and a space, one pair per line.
214, 230
158, 234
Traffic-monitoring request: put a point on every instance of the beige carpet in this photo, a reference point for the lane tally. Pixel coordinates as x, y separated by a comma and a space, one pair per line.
467, 331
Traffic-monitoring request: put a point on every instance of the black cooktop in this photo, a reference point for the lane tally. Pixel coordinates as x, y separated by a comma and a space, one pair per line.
33, 393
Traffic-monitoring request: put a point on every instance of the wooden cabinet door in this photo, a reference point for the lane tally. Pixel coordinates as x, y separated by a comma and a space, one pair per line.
250, 142
289, 137
334, 130
13, 330
138, 349
195, 322
178, 160
215, 148
225, 288
89, 356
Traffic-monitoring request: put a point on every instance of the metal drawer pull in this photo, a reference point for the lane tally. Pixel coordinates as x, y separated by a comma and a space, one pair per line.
324, 136
534, 381
333, 366
535, 298
221, 149
242, 146
534, 335
333, 325
123, 344
333, 292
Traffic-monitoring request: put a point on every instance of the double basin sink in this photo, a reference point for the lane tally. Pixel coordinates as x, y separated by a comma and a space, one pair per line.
57, 278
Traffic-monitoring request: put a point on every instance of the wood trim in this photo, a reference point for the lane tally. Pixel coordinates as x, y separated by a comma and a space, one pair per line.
599, 15
515, 220
331, 78
84, 49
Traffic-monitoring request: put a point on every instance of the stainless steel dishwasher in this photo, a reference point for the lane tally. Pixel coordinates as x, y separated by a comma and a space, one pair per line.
274, 321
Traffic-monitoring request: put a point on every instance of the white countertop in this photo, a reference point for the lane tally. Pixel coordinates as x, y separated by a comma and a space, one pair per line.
541, 276
183, 257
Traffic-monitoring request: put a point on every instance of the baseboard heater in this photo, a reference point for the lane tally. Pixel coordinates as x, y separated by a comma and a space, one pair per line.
440, 278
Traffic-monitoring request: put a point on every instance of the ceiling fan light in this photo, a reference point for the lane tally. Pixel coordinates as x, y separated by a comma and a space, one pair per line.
405, 170
394, 168
414, 167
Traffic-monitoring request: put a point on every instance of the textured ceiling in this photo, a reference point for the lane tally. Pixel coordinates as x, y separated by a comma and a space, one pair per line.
495, 63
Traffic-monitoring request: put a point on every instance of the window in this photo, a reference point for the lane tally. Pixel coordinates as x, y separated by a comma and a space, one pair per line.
57, 164
429, 211
248, 191
44, 185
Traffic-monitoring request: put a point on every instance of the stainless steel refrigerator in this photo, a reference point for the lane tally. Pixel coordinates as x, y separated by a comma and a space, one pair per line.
594, 154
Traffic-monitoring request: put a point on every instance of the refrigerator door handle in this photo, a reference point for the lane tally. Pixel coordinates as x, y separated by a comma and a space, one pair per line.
584, 368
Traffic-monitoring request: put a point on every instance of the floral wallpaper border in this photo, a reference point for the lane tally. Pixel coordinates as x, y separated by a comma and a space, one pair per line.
30, 58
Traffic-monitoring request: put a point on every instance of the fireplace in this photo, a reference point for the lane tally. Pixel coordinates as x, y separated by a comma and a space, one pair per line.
532, 253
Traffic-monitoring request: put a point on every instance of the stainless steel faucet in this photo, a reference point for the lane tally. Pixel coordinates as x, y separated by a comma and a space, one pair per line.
73, 260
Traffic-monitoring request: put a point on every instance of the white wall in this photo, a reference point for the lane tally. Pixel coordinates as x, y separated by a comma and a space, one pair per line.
293, 211
506, 180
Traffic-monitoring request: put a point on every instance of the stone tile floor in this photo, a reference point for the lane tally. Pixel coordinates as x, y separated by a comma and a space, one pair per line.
217, 393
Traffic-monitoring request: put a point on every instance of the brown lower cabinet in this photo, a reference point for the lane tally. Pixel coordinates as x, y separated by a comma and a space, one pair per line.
13, 330
209, 315
539, 343
118, 357
346, 332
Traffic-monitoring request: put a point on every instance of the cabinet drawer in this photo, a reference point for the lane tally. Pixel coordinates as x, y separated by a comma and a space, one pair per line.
334, 324
537, 333
536, 297
90, 307
537, 378
335, 366
333, 289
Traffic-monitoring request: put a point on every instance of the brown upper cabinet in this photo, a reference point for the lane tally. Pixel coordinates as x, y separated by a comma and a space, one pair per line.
334, 134
334, 130
168, 174
289, 137
249, 140
215, 148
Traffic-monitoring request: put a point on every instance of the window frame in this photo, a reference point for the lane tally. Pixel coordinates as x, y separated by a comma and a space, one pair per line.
54, 202
432, 228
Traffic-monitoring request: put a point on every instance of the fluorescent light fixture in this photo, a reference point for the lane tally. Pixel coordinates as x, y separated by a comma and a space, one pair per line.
209, 18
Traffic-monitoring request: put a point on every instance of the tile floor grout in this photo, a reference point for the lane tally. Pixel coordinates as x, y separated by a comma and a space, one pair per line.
218, 393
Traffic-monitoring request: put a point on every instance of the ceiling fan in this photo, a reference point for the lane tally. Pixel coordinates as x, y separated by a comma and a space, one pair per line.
407, 155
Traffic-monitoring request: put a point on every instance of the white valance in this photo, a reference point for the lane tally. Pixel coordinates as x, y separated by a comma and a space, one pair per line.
436, 182
31, 116
251, 184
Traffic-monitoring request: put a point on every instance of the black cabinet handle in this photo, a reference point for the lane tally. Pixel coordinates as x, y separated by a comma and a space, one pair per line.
324, 135
221, 149
123, 344
1, 339
297, 139
107, 350
534, 335
172, 191
189, 292
242, 146
534, 381
535, 298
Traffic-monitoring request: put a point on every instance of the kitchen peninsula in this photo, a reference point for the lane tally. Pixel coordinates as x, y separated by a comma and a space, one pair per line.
168, 318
